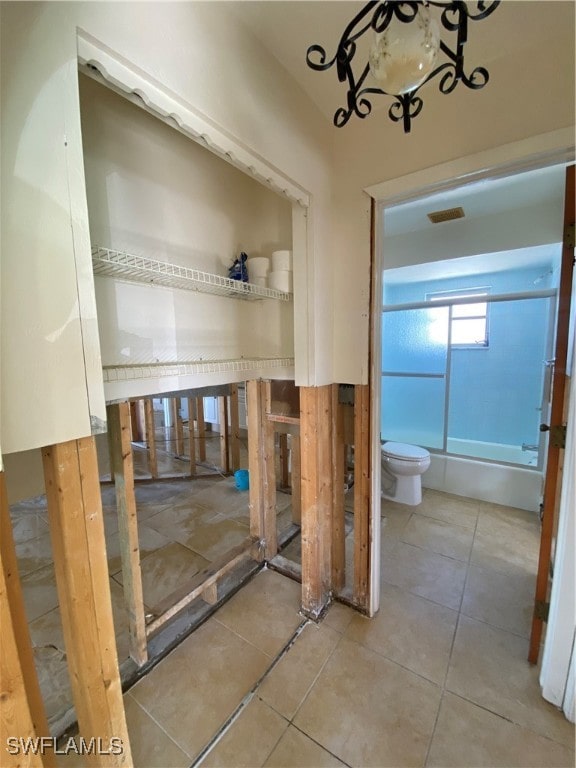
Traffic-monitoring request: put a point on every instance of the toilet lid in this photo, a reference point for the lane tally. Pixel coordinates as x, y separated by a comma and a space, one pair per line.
405, 451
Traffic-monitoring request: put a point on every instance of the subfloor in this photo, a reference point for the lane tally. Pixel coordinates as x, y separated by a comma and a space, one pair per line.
438, 678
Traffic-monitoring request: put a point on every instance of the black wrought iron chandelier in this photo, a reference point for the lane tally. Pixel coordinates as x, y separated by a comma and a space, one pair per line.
404, 55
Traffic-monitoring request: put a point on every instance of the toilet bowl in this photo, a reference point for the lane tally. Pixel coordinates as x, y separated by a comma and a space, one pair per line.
402, 467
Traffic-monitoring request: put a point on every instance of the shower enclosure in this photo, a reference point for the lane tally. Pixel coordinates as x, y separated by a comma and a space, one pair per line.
469, 375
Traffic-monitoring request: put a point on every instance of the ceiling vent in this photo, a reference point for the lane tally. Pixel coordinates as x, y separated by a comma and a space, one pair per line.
447, 215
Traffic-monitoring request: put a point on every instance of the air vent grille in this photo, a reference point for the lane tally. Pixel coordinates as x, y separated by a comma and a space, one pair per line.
447, 215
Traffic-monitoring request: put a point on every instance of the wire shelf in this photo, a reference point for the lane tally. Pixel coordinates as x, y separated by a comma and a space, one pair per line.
193, 367
126, 266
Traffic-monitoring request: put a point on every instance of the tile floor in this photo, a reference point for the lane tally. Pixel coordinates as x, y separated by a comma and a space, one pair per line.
438, 678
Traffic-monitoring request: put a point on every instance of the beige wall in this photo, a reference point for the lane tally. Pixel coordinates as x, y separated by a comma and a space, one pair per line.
530, 92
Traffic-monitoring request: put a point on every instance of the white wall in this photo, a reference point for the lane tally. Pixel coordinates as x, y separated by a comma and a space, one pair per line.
51, 377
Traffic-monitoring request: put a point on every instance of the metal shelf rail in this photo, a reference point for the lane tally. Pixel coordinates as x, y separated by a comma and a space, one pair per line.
126, 266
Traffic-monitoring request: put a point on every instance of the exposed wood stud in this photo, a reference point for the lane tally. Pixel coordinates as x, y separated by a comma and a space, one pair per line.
119, 425
201, 428
191, 435
261, 466
338, 527
210, 594
316, 483
150, 437
178, 428
224, 432
284, 462
295, 478
234, 428
22, 712
79, 548
361, 495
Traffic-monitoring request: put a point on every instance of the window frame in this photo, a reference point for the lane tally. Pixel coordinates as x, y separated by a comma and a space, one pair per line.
464, 293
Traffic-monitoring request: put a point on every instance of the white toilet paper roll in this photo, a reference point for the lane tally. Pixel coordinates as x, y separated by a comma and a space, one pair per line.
281, 280
258, 266
281, 260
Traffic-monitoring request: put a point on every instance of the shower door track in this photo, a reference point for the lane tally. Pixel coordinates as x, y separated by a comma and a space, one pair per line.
545, 294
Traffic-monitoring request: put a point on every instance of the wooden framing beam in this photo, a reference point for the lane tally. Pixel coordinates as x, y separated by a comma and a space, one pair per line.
224, 432
178, 428
201, 584
150, 437
192, 434
22, 714
317, 497
119, 426
79, 549
338, 559
295, 481
284, 460
201, 428
234, 428
362, 495
261, 466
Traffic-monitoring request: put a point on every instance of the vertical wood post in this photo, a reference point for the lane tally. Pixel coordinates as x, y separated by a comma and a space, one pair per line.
192, 435
178, 428
150, 437
201, 428
295, 477
22, 713
261, 466
234, 428
338, 527
119, 425
317, 496
79, 548
223, 424
361, 495
283, 446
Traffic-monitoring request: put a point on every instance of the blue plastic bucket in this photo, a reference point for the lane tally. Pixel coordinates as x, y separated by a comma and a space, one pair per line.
242, 479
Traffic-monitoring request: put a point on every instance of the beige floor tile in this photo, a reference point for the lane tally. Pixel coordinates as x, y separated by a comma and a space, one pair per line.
250, 739
435, 577
410, 630
165, 570
39, 591
394, 518
54, 679
457, 510
505, 600
489, 667
265, 611
506, 551
149, 539
467, 735
120, 616
368, 711
339, 616
28, 525
288, 683
223, 497
151, 746
296, 750
436, 536
293, 551
217, 537
197, 687
33, 554
179, 522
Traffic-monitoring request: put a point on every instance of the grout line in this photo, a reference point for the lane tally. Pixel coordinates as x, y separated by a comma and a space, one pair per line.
249, 696
151, 716
340, 760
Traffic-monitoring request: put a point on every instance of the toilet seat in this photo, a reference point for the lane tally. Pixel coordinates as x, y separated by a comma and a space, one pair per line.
405, 452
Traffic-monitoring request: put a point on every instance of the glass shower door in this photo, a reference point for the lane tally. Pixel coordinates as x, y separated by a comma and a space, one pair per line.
414, 376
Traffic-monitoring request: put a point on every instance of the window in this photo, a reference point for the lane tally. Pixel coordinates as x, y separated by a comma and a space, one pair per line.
469, 320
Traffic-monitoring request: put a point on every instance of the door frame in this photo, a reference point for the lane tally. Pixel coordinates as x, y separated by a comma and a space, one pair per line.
541, 151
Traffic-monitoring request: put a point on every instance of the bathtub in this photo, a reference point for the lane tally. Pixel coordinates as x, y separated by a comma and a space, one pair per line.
484, 477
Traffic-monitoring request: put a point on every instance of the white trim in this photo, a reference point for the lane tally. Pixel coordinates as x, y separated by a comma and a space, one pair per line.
124, 77
555, 147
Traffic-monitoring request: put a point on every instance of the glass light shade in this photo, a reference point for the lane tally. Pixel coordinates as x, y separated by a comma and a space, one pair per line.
404, 54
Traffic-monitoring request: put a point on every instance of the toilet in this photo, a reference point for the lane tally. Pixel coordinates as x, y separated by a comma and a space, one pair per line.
402, 468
